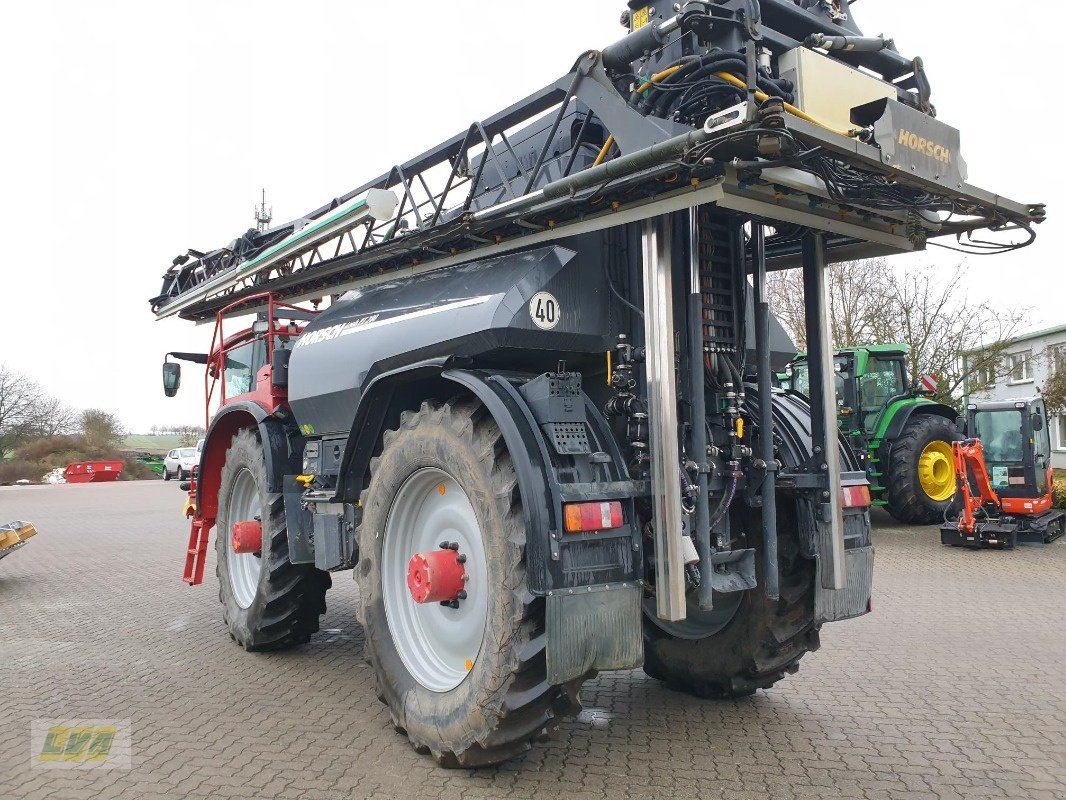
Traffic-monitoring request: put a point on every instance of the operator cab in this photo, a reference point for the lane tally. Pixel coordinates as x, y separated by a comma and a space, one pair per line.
881, 379
250, 364
1017, 447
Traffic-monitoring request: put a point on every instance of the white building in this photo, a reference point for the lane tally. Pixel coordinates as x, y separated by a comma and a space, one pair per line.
1029, 361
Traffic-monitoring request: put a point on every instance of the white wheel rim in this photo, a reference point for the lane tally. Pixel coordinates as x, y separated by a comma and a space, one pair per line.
438, 644
243, 568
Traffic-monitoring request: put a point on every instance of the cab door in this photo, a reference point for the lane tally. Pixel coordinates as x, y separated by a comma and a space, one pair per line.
1041, 439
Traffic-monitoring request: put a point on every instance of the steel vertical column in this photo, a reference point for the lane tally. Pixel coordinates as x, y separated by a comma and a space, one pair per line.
698, 406
665, 464
771, 575
823, 410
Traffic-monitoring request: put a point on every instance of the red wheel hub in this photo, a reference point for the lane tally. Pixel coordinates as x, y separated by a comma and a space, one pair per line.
247, 536
436, 577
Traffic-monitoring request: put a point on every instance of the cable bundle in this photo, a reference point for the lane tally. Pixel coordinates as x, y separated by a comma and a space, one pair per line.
691, 91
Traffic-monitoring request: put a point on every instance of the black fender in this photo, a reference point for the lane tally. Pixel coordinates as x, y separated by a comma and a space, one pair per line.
540, 488
541, 493
282, 444
794, 427
541, 501
379, 399
903, 416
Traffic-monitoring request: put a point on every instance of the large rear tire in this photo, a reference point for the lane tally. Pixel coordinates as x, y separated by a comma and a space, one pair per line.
921, 478
747, 642
268, 603
467, 699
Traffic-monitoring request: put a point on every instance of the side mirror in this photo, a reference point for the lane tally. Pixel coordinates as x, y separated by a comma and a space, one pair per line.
171, 378
1038, 421
279, 373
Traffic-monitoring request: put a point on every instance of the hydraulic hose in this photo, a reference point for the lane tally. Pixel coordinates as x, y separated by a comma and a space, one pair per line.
659, 76
726, 501
791, 109
604, 151
693, 69
660, 101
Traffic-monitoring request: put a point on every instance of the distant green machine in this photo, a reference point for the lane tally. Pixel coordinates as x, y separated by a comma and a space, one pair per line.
154, 463
901, 436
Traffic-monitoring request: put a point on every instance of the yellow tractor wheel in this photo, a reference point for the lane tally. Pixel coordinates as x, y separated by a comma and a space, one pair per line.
936, 473
920, 475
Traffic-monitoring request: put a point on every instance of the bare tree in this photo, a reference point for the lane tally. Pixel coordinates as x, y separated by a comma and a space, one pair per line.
1054, 388
857, 288
20, 400
52, 417
942, 325
189, 434
871, 303
101, 428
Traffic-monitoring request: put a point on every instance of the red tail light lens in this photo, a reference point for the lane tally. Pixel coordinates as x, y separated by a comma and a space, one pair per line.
855, 496
598, 516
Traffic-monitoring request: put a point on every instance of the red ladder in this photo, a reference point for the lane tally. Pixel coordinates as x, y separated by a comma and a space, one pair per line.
197, 552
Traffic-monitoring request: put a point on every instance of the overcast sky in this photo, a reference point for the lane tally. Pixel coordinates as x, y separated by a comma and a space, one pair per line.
134, 130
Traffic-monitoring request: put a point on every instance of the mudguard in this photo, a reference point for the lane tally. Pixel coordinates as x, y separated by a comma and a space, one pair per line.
541, 506
282, 444
902, 416
552, 562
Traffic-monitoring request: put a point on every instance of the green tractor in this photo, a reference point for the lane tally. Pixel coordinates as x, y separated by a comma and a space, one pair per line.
901, 436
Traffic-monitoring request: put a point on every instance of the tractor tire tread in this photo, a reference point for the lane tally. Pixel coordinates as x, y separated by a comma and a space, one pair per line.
517, 705
762, 645
290, 597
906, 501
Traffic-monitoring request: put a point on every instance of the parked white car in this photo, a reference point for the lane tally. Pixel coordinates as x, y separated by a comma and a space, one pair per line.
179, 463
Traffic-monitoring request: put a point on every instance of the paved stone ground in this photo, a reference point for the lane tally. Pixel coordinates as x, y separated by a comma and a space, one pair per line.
950, 689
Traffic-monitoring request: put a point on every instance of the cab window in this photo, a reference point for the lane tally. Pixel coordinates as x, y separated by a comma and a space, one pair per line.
801, 378
1000, 433
242, 365
882, 381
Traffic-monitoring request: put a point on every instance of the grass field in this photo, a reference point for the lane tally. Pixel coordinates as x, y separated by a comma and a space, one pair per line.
151, 444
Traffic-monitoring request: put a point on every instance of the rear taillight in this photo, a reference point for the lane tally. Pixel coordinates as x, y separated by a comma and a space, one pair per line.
599, 516
855, 496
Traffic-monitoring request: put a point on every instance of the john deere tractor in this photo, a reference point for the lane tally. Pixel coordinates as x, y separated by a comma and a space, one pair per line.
901, 436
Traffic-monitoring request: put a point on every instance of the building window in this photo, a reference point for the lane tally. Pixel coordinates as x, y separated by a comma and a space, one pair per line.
1057, 359
1060, 431
1019, 366
987, 372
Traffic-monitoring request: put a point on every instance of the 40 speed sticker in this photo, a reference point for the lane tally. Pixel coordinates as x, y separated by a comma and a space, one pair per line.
544, 310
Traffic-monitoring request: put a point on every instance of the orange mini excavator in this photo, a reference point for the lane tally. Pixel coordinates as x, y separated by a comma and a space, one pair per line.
1004, 488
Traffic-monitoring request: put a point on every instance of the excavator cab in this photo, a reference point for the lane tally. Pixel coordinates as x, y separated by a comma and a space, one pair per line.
1017, 447
1004, 481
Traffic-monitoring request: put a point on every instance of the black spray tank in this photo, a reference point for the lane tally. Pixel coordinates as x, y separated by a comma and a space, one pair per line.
517, 311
